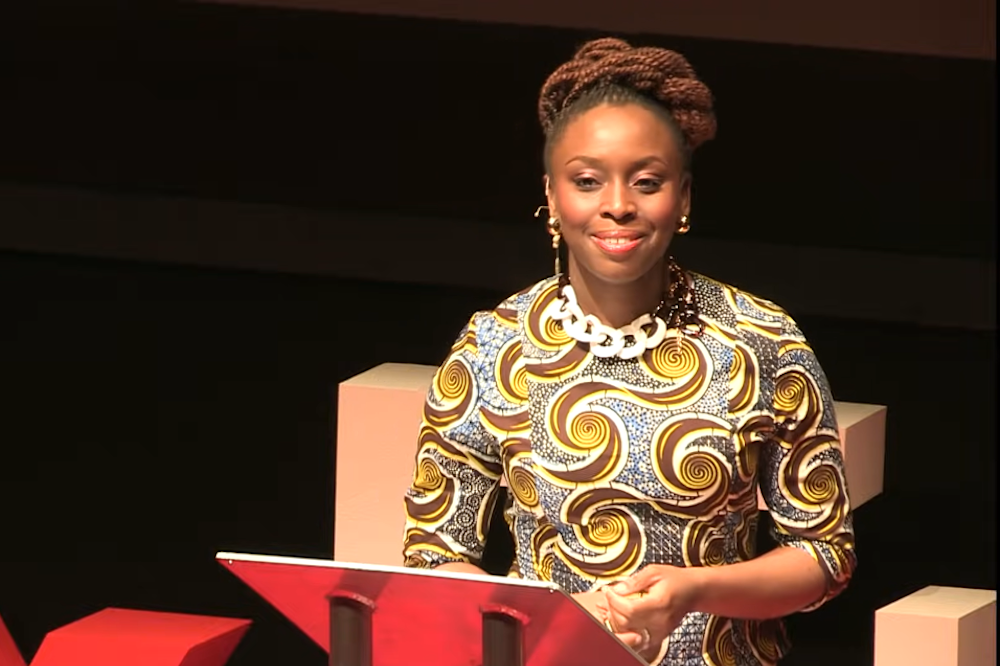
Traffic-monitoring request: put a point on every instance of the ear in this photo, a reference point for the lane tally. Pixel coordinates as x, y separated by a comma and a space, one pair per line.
550, 199
686, 193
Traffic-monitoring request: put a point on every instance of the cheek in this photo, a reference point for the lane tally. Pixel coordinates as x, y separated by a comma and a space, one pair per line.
576, 208
661, 211
665, 207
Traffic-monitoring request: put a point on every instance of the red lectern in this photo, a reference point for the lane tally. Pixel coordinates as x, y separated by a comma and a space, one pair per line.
366, 615
9, 654
120, 637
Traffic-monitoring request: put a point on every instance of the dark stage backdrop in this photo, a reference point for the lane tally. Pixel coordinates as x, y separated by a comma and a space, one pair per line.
154, 414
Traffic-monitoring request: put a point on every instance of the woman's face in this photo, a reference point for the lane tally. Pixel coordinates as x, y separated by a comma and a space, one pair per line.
618, 185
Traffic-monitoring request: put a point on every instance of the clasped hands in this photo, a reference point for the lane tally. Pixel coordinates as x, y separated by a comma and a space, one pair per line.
644, 609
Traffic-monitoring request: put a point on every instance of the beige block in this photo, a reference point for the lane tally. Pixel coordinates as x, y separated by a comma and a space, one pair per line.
377, 424
938, 626
378, 420
862, 440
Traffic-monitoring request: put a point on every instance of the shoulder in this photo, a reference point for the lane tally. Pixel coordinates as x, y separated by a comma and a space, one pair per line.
735, 306
489, 348
529, 298
490, 330
511, 310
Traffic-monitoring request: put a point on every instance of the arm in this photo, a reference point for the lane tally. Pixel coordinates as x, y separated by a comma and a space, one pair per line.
776, 584
802, 480
433, 538
657, 598
457, 468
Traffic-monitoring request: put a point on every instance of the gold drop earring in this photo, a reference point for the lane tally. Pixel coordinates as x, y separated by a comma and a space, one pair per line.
683, 225
555, 230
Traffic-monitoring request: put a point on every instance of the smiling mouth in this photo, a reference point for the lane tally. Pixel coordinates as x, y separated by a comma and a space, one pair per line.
617, 244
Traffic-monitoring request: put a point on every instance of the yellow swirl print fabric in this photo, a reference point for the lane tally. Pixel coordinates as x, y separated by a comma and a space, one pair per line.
616, 464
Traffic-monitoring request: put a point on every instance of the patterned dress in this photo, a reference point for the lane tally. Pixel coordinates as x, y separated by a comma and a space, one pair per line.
614, 464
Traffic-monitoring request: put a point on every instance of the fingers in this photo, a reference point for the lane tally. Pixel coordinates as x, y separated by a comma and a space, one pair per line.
632, 639
631, 621
619, 619
641, 644
627, 605
638, 582
594, 603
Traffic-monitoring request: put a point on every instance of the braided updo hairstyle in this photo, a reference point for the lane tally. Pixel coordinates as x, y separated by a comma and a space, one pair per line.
611, 71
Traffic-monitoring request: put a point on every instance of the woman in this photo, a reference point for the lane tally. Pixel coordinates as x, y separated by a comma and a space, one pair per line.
633, 407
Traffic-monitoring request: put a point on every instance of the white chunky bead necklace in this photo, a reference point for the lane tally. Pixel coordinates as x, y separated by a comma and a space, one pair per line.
644, 333
605, 341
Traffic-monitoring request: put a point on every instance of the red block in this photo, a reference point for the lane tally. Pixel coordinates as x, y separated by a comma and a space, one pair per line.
9, 654
117, 637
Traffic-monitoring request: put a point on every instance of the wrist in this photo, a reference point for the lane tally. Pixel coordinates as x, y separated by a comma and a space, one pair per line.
700, 580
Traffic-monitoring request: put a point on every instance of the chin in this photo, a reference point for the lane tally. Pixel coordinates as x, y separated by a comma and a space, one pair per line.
619, 274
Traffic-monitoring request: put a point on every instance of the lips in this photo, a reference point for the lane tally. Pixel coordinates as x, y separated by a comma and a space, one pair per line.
617, 242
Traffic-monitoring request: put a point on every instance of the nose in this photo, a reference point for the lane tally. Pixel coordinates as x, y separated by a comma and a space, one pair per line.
617, 203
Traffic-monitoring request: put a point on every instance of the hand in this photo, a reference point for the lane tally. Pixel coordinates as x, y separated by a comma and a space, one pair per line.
644, 610
594, 603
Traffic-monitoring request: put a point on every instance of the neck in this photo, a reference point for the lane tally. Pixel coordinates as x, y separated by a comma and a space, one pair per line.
618, 305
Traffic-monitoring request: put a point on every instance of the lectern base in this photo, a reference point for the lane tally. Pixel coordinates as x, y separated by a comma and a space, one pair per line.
350, 630
503, 638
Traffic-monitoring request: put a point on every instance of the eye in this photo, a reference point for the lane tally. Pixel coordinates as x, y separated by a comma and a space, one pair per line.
585, 183
649, 185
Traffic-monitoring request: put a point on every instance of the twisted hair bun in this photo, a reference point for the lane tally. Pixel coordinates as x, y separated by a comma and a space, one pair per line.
659, 74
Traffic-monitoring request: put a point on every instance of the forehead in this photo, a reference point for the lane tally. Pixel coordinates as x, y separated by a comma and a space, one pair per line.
617, 130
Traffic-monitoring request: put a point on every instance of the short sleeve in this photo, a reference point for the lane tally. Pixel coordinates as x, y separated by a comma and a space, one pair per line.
457, 470
802, 475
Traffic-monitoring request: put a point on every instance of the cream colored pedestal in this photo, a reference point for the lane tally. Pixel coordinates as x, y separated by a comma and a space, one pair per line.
938, 626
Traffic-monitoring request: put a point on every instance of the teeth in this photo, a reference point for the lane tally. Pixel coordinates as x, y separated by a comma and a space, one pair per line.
617, 241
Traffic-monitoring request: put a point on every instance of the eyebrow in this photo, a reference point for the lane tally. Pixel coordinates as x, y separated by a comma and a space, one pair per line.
594, 162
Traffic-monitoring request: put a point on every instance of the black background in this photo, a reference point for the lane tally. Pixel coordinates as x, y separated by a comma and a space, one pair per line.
153, 415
